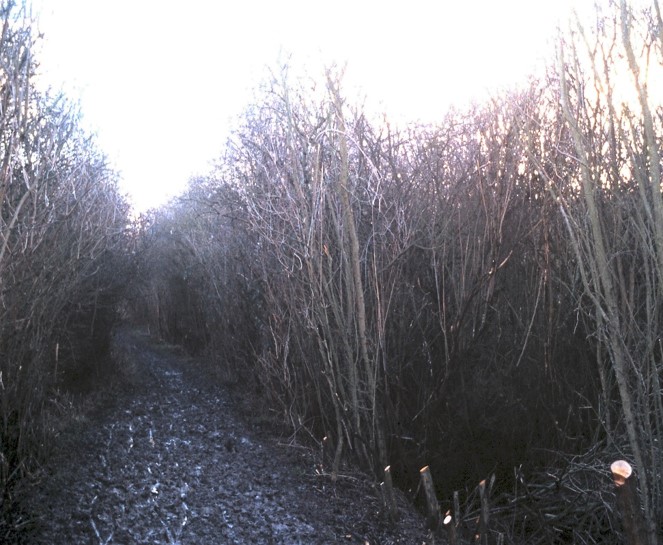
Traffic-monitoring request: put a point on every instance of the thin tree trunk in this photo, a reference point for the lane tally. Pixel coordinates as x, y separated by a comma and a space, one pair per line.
605, 298
355, 264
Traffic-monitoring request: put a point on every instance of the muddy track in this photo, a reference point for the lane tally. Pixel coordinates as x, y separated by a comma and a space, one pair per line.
166, 457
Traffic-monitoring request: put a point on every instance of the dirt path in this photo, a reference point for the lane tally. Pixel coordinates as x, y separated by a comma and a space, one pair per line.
168, 459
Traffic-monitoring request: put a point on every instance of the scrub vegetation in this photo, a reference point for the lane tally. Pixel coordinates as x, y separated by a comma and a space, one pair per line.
63, 254
482, 296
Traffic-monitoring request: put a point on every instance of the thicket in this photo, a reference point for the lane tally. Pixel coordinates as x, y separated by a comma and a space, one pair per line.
483, 295
62, 254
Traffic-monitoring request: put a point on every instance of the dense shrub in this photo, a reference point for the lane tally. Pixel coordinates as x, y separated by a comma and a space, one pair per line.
62, 249
481, 295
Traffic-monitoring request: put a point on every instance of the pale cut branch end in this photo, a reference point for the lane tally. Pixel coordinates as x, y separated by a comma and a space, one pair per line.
621, 471
431, 498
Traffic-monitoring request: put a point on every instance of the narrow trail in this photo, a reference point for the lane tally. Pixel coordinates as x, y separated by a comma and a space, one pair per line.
168, 458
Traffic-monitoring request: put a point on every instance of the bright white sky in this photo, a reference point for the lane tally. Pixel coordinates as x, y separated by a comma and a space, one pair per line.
159, 81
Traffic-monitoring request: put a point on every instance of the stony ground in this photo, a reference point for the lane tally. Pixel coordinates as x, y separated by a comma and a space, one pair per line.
165, 456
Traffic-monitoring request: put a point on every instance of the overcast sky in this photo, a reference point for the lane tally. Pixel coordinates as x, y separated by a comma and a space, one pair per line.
160, 81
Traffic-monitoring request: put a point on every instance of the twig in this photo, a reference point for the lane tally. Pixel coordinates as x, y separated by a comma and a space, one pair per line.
101, 540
